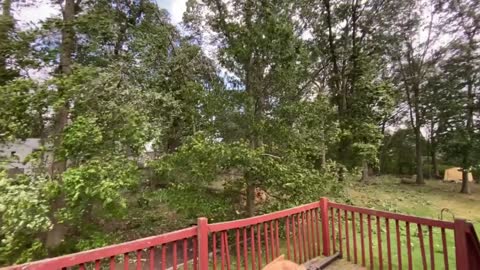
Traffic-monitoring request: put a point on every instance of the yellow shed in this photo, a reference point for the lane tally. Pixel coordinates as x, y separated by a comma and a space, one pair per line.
455, 175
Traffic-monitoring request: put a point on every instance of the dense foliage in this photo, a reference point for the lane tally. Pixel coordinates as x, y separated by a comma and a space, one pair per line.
245, 107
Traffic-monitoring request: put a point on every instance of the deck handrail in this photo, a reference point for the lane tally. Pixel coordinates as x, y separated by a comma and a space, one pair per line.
310, 230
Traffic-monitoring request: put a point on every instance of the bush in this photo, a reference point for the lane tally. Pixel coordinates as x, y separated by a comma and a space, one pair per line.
193, 202
24, 212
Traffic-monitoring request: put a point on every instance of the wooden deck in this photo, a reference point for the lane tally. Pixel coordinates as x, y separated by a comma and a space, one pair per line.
333, 262
344, 265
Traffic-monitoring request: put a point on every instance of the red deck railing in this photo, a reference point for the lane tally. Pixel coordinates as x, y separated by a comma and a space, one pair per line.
374, 239
388, 227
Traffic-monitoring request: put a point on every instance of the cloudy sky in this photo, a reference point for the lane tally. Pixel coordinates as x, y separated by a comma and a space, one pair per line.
42, 9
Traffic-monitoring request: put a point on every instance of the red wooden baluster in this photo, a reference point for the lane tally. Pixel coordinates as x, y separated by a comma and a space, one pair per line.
195, 250
294, 240
340, 230
445, 251
409, 247
300, 250
214, 240
252, 245
312, 230
126, 261
287, 224
112, 263
81, 266
347, 243
245, 248
304, 237
164, 257
265, 236
354, 236
174, 267
308, 237
432, 252
399, 244
379, 240
259, 245
139, 259
97, 265
315, 243
222, 250
151, 253
334, 244
370, 243
272, 239
317, 228
237, 245
185, 254
389, 249
362, 240
278, 238
422, 246
227, 250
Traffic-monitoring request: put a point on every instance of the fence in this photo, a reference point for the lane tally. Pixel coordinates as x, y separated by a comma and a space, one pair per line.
302, 233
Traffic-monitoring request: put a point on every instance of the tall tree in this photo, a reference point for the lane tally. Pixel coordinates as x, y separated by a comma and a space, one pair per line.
268, 85
462, 69
351, 46
414, 58
59, 164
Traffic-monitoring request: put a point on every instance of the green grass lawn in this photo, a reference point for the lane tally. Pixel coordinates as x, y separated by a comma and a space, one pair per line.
387, 193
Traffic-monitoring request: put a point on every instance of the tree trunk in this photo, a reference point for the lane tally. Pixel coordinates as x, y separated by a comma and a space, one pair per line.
365, 174
418, 156
418, 135
466, 153
469, 117
324, 147
433, 154
335, 78
57, 234
6, 27
250, 198
465, 184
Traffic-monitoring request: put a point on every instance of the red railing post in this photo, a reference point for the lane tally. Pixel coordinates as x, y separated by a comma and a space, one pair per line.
202, 236
461, 248
325, 234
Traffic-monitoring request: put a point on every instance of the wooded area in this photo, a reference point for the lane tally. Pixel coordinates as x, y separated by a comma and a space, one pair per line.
245, 107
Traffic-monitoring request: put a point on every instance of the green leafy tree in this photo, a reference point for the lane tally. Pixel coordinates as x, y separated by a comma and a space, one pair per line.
268, 80
95, 112
350, 49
